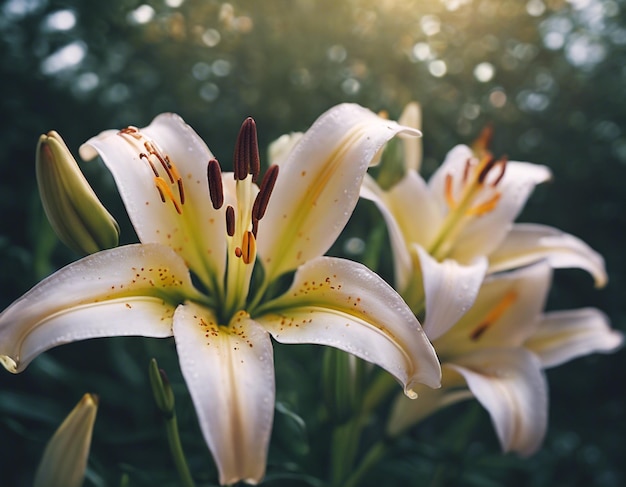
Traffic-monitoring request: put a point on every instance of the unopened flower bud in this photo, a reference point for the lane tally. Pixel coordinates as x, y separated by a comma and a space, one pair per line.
161, 389
73, 209
65, 458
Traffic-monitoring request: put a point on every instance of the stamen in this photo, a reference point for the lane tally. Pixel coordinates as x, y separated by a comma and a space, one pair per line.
263, 197
487, 165
181, 190
494, 315
132, 131
481, 145
255, 225
501, 163
216, 189
448, 192
166, 165
248, 247
143, 155
230, 221
246, 158
160, 190
466, 170
164, 190
485, 207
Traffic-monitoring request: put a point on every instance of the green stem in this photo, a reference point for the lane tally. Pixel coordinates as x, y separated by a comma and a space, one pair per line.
380, 389
344, 450
176, 448
372, 457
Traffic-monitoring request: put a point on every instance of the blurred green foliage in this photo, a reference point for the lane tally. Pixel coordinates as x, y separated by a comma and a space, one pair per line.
550, 76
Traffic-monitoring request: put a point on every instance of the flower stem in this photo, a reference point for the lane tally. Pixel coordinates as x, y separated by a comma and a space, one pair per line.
345, 446
176, 448
164, 398
380, 389
372, 457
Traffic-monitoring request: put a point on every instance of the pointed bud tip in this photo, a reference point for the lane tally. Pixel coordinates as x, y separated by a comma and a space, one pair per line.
75, 213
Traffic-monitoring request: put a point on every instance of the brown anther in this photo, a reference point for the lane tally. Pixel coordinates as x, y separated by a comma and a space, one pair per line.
132, 131
165, 191
501, 163
143, 155
154, 152
160, 192
481, 145
486, 167
230, 221
466, 170
263, 197
238, 252
255, 225
246, 158
216, 189
492, 163
181, 190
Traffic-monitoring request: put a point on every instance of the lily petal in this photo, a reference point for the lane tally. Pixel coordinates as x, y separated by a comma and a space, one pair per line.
528, 243
343, 304
450, 290
318, 186
229, 371
406, 412
505, 313
130, 290
511, 386
405, 227
197, 233
403, 265
566, 335
282, 146
485, 234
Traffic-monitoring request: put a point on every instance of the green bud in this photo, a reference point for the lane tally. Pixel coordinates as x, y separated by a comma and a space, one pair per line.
161, 389
65, 458
76, 214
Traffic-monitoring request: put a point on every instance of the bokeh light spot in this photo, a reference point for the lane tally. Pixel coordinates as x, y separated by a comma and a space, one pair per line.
497, 98
211, 37
61, 20
337, 53
484, 72
221, 68
351, 86
437, 68
209, 91
69, 56
141, 15
430, 25
536, 8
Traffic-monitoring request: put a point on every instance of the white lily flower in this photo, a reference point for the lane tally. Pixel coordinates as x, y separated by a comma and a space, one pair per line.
498, 350
215, 230
460, 223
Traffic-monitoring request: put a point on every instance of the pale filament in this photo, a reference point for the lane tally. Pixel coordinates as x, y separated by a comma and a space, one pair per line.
167, 179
